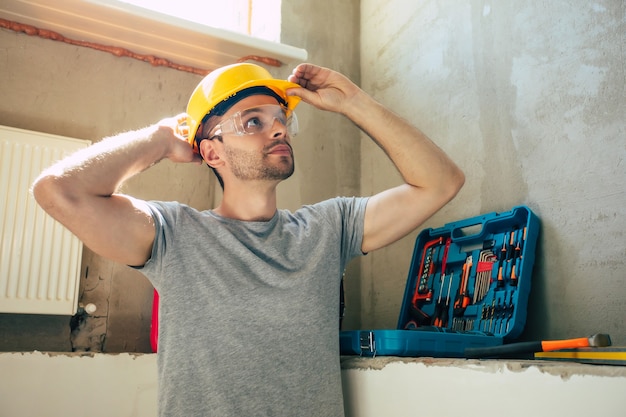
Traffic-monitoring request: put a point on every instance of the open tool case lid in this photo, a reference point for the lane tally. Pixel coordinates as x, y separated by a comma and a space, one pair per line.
468, 286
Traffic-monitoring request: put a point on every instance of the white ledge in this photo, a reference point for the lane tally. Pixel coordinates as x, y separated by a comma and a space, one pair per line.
145, 32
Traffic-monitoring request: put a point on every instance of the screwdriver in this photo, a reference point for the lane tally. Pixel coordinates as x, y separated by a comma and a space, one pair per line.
513, 276
503, 256
511, 248
503, 250
516, 254
500, 278
463, 299
518, 248
438, 307
445, 312
443, 308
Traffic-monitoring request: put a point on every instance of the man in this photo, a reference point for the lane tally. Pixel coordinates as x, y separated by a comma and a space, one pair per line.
248, 293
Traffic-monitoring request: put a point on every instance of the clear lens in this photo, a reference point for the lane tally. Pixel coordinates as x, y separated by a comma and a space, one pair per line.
257, 120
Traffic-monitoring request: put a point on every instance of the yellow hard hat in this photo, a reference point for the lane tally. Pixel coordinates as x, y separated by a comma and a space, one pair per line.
224, 83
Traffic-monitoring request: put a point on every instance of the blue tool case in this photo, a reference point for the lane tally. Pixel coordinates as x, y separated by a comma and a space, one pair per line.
468, 286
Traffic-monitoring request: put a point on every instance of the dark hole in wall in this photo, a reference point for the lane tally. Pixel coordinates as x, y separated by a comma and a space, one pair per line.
28, 332
87, 333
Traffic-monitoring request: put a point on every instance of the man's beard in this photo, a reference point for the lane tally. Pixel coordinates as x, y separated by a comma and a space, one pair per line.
248, 165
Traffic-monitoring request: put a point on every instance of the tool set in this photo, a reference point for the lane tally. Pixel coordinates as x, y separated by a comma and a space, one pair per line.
468, 287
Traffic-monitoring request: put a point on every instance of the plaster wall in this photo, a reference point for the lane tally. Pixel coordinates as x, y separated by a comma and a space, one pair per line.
56, 88
529, 99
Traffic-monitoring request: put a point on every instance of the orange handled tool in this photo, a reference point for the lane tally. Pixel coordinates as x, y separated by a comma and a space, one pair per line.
463, 299
597, 340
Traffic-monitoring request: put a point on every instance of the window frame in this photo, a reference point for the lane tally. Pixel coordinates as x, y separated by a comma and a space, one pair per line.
145, 32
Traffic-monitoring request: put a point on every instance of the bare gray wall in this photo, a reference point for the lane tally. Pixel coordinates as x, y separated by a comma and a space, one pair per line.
56, 88
328, 150
529, 99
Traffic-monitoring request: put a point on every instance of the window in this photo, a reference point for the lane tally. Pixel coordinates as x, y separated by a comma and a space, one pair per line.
119, 26
257, 18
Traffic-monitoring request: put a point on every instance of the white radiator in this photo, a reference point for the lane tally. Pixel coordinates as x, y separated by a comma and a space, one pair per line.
39, 259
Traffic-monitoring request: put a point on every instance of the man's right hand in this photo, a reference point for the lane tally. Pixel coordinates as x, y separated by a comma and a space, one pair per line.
180, 151
80, 191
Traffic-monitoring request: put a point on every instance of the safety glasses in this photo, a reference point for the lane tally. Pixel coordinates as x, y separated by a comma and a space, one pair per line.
255, 120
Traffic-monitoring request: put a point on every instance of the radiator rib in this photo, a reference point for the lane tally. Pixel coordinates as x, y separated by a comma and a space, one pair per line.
39, 259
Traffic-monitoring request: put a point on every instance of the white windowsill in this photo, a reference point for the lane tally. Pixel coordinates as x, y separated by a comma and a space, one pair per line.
145, 32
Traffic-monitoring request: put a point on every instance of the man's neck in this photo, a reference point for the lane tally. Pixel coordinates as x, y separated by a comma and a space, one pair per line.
251, 203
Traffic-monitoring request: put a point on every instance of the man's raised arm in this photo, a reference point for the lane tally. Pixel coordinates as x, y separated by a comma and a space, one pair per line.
80, 190
431, 178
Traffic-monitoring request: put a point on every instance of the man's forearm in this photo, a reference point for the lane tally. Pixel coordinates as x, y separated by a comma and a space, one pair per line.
431, 178
101, 168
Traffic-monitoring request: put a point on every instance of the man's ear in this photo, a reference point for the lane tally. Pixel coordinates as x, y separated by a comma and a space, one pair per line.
210, 153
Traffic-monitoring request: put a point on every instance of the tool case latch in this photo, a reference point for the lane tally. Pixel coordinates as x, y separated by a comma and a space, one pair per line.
367, 343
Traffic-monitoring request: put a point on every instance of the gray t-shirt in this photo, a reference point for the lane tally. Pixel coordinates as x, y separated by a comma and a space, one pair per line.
249, 311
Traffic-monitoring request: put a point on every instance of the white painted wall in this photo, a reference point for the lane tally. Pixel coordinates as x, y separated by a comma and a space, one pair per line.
445, 388
64, 385
124, 385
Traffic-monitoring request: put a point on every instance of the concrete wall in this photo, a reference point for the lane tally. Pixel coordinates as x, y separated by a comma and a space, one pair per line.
56, 88
328, 150
529, 99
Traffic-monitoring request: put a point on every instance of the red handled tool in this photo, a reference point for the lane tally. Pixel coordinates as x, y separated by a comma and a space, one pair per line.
422, 291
